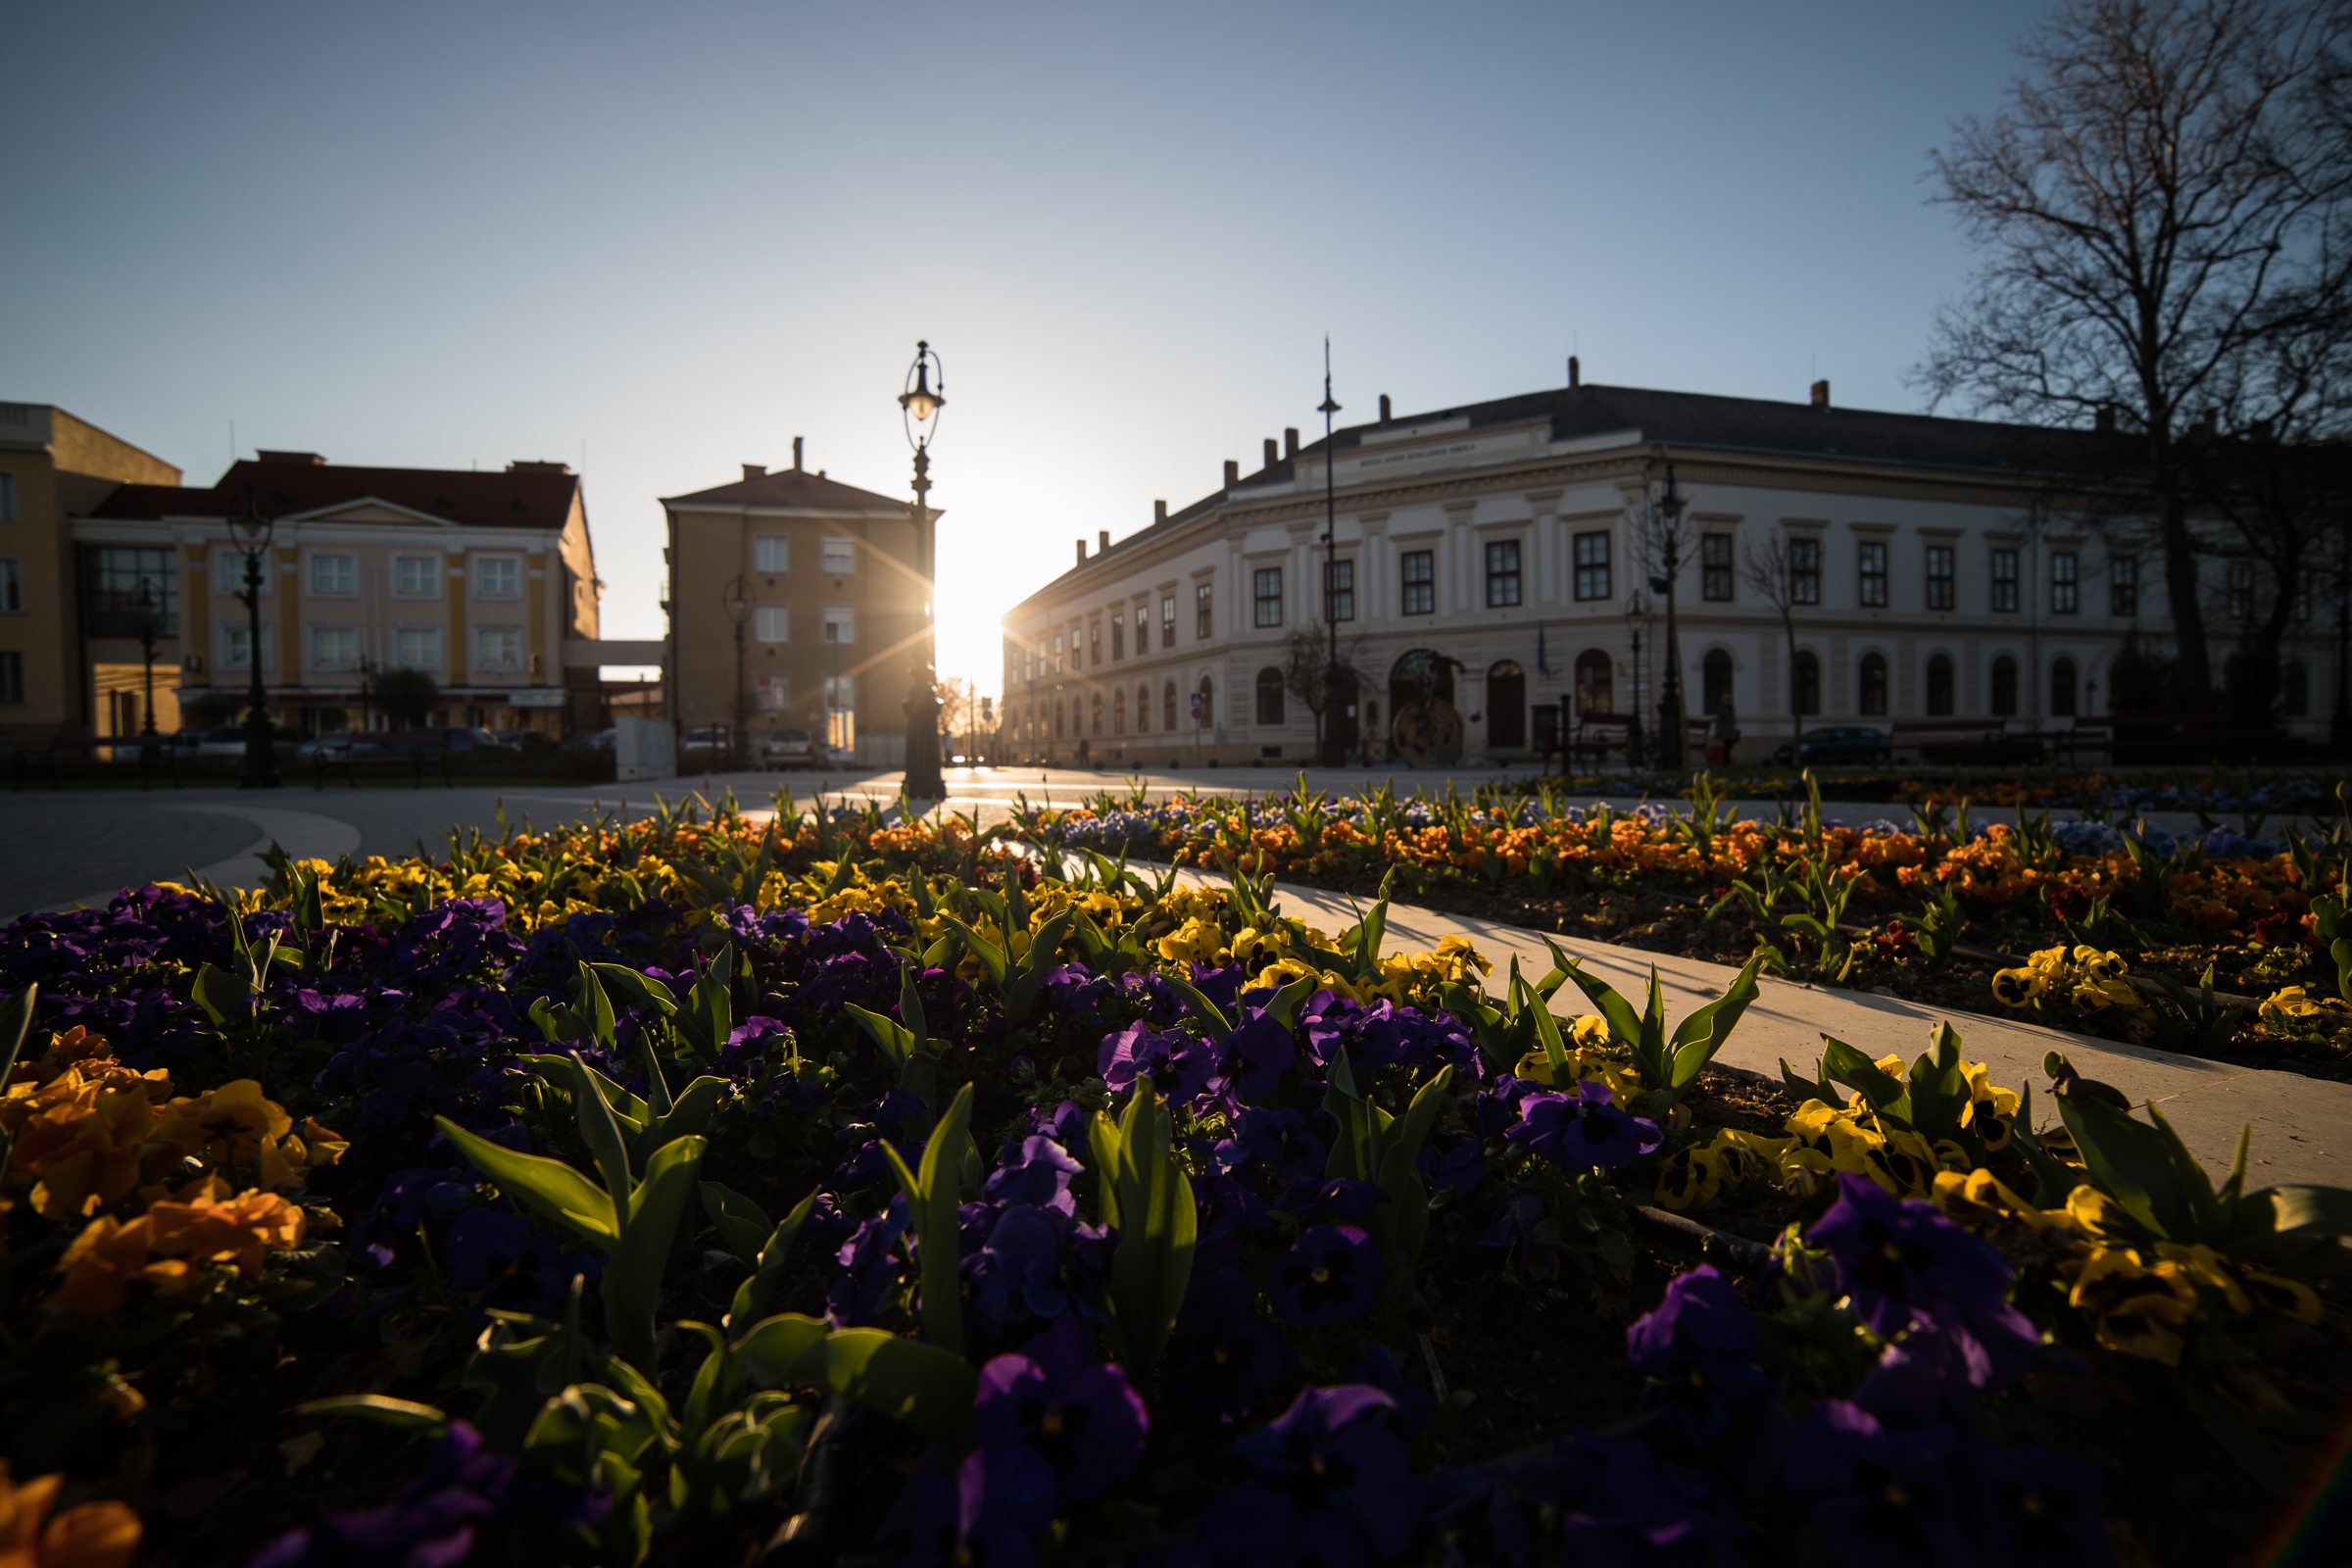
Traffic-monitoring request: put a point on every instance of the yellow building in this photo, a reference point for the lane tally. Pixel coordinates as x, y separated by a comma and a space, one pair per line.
53, 468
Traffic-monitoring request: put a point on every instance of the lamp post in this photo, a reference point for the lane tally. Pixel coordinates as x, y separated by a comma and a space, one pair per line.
148, 628
367, 669
1636, 610
251, 532
738, 610
1333, 754
1670, 689
919, 406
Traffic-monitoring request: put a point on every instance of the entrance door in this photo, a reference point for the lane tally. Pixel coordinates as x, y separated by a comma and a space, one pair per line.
1342, 723
1506, 707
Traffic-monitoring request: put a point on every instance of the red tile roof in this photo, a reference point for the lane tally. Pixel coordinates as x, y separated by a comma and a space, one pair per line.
526, 496
793, 487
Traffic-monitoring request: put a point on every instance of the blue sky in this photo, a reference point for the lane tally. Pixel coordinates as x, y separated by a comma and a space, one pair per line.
678, 235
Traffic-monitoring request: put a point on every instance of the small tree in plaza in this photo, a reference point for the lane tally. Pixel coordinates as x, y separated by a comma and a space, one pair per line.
406, 697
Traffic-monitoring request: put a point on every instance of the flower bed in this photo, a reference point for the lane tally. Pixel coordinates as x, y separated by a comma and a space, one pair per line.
829, 1189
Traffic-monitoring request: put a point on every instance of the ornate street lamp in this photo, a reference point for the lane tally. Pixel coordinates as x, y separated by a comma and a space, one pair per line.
738, 610
919, 406
149, 626
1333, 754
1670, 689
1637, 611
251, 532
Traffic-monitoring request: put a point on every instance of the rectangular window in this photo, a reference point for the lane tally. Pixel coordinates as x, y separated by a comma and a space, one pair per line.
840, 556
1871, 563
841, 627
773, 624
1094, 640
1143, 627
1715, 567
1204, 613
841, 691
12, 664
8, 514
2123, 586
229, 575
498, 577
334, 646
1939, 576
236, 653
2239, 586
335, 576
1592, 560
126, 589
1503, 573
2066, 586
1269, 596
2004, 580
1056, 652
1118, 634
1804, 571
1339, 590
12, 586
775, 692
772, 551
498, 647
417, 646
1420, 573
416, 576
1167, 620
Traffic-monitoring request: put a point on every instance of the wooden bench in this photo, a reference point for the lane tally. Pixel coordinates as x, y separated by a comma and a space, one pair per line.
1950, 739
1598, 734
2078, 741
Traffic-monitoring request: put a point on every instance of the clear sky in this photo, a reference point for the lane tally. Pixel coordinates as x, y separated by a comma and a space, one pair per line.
673, 236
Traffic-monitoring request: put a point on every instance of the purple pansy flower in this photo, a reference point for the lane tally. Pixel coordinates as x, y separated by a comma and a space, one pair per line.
1176, 1063
1332, 1485
1081, 1416
1582, 1131
1041, 1177
1697, 1349
987, 1515
1231, 1355
1904, 1263
1328, 1276
1252, 1060
1879, 1497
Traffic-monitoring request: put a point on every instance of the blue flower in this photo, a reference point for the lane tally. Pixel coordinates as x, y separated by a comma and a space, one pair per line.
1328, 1276
1904, 1263
1582, 1131
1333, 1486
1232, 1356
1056, 1399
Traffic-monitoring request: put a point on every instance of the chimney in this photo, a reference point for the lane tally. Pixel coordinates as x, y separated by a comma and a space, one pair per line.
1821, 394
1273, 452
1082, 552
754, 471
1103, 536
2104, 419
1233, 472
1576, 371
535, 466
795, 453
309, 459
1384, 407
1290, 441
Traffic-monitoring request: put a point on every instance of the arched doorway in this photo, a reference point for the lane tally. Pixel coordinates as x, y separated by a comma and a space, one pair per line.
1715, 680
1874, 686
1506, 707
1939, 686
1595, 681
1425, 726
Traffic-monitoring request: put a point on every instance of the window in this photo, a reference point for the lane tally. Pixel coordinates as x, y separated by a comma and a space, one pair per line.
1269, 695
1808, 683
1118, 711
1715, 567
1268, 583
12, 664
1339, 590
2004, 580
773, 624
236, 651
1093, 639
229, 575
2294, 689
1056, 651
1420, 582
498, 577
2066, 585
1203, 603
1167, 620
1204, 702
334, 646
335, 576
1870, 563
1939, 576
416, 576
775, 692
2062, 688
772, 551
1715, 680
1143, 709
841, 691
417, 646
1143, 627
498, 647
1118, 634
2240, 589
1592, 558
1097, 707
1503, 573
2004, 687
1592, 681
8, 514
1167, 706
1939, 687
1804, 571
1874, 686
12, 586
125, 588
840, 625
2123, 586
840, 556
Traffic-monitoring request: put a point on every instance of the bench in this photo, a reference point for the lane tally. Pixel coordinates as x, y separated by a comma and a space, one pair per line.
1598, 734
2081, 740
391, 761
1950, 739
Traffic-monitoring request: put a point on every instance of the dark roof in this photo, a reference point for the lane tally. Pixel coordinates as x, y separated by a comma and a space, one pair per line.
793, 487
527, 495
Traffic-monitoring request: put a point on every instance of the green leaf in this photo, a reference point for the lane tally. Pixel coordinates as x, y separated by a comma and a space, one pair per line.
1624, 1023
896, 1039
632, 1282
751, 1297
2131, 1162
16, 1022
1208, 1012
1045, 945
1843, 1064
641, 989
928, 1388
600, 1131
1547, 1031
1285, 1004
991, 957
769, 1348
742, 1224
1939, 1089
1704, 1030
550, 1189
219, 994
931, 1200
1154, 1263
405, 1415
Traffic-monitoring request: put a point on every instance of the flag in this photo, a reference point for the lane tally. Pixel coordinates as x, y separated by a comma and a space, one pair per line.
1543, 664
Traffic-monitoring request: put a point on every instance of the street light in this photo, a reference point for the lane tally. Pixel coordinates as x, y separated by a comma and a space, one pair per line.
148, 627
739, 609
919, 406
1333, 754
1636, 610
367, 669
1670, 690
251, 532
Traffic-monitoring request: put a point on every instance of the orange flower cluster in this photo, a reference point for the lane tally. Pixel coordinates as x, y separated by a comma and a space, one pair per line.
175, 1245
36, 1534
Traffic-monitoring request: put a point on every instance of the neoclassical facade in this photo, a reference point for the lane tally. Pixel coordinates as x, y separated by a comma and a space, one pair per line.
1500, 561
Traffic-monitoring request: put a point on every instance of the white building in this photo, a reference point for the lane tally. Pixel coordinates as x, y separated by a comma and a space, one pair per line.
1492, 555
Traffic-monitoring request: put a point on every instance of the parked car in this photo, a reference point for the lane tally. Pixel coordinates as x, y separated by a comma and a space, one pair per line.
1851, 744
524, 740
228, 740
595, 741
787, 748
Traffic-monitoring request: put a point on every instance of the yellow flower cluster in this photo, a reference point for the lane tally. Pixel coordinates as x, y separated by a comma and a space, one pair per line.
2085, 978
34, 1533
1594, 1056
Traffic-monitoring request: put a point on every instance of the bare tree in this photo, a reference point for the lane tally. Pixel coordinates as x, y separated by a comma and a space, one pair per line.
1310, 674
958, 706
1769, 569
2163, 196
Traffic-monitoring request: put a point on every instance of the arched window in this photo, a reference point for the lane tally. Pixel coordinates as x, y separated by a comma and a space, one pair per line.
1593, 671
1058, 731
1143, 709
2294, 689
1167, 707
1715, 680
2062, 688
1808, 683
1874, 685
1269, 695
1098, 705
1939, 687
1118, 711
1208, 701
1506, 705
2004, 687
